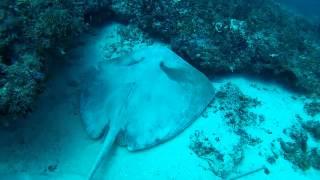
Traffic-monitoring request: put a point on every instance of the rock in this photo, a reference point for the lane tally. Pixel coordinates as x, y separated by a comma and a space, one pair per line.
298, 151
236, 106
313, 127
315, 158
312, 108
237, 36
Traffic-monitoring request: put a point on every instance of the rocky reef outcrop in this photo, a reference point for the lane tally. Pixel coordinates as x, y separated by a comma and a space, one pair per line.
33, 33
237, 36
219, 37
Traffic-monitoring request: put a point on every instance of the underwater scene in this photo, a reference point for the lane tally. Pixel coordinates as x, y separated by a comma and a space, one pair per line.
159, 89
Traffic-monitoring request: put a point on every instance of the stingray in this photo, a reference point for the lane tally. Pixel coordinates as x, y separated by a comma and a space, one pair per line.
142, 99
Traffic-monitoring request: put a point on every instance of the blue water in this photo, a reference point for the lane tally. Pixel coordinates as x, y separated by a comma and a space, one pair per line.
309, 8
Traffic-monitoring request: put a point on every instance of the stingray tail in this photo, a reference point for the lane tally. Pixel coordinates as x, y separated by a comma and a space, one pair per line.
112, 135
107, 145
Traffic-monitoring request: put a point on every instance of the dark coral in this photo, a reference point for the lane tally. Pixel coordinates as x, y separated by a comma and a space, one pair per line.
296, 151
315, 161
245, 36
237, 36
313, 127
31, 33
312, 108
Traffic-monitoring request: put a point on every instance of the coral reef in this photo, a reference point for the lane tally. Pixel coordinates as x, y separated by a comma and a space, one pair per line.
238, 36
32, 33
20, 85
131, 39
312, 108
258, 37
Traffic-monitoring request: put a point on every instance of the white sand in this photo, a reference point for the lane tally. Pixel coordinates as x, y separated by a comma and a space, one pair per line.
53, 134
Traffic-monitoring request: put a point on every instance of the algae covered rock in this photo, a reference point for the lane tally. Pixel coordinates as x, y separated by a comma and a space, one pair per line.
33, 33
217, 37
236, 106
298, 149
312, 108
238, 36
313, 127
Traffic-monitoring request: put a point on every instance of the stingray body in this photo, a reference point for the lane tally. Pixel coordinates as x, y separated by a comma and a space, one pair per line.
142, 99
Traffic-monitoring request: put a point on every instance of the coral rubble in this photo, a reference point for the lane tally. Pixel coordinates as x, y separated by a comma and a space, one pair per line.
235, 108
297, 150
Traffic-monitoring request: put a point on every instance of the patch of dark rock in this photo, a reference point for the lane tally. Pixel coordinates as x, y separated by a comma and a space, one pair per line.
221, 164
236, 106
298, 152
312, 108
295, 154
272, 159
236, 33
202, 146
313, 127
315, 160
247, 138
52, 167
